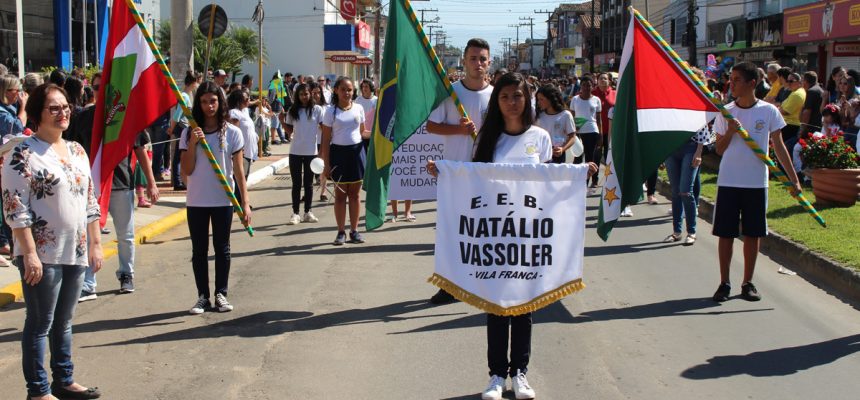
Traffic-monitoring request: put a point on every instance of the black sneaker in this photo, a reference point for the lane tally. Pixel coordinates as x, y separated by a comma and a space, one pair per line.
442, 297
87, 295
749, 292
340, 239
126, 284
722, 293
355, 237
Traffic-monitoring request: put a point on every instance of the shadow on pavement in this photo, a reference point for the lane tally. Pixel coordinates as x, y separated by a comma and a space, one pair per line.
329, 249
272, 323
625, 248
507, 395
777, 362
112, 324
555, 312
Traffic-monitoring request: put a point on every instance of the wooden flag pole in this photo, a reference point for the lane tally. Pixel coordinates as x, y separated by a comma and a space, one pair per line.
750, 142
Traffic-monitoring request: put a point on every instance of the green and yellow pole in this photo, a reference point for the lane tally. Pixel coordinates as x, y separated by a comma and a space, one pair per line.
434, 59
750, 142
206, 149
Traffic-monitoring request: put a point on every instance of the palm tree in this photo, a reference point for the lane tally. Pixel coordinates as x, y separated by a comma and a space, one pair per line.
238, 45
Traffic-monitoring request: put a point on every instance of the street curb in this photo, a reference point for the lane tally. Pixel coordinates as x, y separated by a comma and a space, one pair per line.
14, 291
835, 278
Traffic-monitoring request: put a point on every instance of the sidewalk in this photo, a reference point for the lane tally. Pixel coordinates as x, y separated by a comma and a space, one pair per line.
149, 222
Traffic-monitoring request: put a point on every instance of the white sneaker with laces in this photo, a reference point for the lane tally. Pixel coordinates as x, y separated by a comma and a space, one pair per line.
628, 212
495, 389
521, 387
310, 217
295, 220
199, 307
222, 304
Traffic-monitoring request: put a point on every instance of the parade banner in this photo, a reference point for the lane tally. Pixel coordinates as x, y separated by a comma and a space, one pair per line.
509, 237
409, 177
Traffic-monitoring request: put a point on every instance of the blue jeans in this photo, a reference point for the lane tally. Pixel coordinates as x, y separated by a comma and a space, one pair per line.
682, 177
121, 209
50, 306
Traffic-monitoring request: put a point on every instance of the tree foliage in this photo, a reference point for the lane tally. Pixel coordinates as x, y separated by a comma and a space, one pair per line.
236, 46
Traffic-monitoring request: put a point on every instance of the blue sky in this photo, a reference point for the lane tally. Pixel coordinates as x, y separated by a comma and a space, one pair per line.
488, 19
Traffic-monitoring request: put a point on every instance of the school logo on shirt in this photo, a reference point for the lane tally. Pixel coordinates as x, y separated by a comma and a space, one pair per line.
531, 149
759, 125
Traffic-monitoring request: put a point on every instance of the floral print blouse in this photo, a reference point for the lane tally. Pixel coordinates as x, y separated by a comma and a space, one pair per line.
52, 196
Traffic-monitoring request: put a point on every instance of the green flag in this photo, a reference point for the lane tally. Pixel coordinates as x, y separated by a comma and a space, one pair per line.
412, 85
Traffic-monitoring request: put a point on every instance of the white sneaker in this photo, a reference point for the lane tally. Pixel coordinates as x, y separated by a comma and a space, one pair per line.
200, 306
222, 304
310, 217
628, 212
295, 220
521, 387
495, 389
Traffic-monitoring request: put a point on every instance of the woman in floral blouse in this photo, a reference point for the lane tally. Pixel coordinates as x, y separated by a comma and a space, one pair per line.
48, 200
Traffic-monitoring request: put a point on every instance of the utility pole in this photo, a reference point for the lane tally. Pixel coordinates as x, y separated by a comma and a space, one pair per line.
517, 44
507, 51
181, 34
591, 38
531, 26
377, 44
423, 10
547, 45
430, 28
691, 30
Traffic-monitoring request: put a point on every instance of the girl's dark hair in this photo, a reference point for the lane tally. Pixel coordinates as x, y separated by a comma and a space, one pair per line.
552, 94
74, 91
334, 100
850, 91
88, 94
831, 83
236, 98
833, 111
37, 101
209, 87
246, 80
58, 77
191, 77
297, 103
313, 85
584, 79
369, 83
494, 122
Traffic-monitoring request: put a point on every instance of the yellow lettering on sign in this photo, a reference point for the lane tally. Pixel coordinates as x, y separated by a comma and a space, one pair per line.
854, 15
798, 24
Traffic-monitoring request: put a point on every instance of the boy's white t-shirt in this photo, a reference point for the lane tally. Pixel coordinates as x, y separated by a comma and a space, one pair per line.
249, 133
306, 131
369, 106
530, 147
476, 102
587, 109
204, 189
345, 124
559, 126
739, 166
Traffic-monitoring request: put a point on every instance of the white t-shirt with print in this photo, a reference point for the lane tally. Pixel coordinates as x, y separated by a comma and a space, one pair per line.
739, 166
249, 134
306, 131
587, 109
530, 147
345, 124
459, 147
558, 125
204, 189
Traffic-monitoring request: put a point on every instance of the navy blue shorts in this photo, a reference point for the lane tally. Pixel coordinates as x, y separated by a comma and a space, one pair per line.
347, 164
740, 211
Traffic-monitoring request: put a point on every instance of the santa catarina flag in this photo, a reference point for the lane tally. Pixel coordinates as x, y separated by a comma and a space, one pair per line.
410, 88
657, 109
133, 94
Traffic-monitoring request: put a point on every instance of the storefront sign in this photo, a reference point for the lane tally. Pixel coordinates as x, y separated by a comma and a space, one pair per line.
821, 21
348, 9
766, 31
730, 35
362, 61
565, 56
362, 35
339, 37
604, 58
846, 49
342, 58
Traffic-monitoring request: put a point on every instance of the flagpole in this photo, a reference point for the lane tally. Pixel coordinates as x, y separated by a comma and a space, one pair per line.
206, 149
728, 116
434, 59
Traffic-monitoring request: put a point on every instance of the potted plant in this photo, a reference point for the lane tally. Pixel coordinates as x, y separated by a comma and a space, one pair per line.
833, 166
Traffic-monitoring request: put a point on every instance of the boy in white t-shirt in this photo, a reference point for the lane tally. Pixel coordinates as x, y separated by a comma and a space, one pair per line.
743, 179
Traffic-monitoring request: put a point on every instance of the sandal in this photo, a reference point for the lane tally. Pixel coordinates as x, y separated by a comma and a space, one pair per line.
410, 218
673, 238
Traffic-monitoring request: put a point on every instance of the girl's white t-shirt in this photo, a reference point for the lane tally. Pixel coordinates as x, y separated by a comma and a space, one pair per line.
530, 147
204, 188
559, 126
369, 109
249, 133
345, 124
587, 109
306, 131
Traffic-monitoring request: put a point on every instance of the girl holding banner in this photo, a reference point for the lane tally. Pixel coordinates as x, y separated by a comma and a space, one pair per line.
509, 135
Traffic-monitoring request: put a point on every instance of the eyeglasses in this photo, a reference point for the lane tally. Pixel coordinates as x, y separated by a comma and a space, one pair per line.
57, 110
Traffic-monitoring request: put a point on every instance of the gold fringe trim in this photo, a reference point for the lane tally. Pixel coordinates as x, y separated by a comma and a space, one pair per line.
535, 304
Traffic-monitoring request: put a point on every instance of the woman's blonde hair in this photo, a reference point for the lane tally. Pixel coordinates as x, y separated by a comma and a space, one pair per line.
8, 82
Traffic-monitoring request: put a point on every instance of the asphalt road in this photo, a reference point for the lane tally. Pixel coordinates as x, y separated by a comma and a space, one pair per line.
314, 321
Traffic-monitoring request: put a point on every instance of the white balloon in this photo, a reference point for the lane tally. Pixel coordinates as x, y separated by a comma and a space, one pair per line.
317, 165
577, 147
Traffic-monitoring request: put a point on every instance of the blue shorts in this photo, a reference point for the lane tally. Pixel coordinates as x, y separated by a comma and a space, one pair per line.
740, 211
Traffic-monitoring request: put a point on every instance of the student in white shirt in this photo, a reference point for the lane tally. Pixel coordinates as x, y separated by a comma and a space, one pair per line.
342, 132
303, 122
318, 99
586, 110
556, 120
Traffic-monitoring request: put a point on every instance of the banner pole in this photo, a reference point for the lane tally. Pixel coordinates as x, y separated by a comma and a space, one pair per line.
193, 124
801, 199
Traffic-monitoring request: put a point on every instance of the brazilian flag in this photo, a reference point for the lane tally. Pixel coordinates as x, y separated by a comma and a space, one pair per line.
412, 85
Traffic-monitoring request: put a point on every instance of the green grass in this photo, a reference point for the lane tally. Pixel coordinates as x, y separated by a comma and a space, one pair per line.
839, 241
